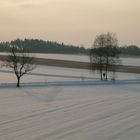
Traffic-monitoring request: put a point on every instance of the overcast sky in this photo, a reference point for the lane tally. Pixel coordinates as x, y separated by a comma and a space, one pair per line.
70, 21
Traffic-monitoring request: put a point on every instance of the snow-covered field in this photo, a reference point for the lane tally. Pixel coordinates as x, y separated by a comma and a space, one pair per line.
130, 61
45, 74
65, 108
107, 112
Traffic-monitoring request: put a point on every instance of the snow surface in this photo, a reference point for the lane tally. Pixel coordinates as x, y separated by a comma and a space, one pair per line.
107, 112
53, 74
60, 108
130, 61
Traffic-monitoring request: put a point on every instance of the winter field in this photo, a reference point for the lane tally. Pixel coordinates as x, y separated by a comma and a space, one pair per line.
56, 103
130, 61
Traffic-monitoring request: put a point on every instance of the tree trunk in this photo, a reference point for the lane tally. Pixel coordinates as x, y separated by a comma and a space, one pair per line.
107, 67
18, 81
100, 66
101, 73
101, 76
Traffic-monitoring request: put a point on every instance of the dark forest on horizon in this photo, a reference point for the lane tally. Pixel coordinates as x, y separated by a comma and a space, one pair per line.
41, 46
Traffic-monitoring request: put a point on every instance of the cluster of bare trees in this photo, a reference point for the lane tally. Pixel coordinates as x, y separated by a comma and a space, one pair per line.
104, 55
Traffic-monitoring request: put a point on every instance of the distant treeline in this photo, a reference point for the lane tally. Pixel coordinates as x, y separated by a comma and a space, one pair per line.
41, 46
130, 50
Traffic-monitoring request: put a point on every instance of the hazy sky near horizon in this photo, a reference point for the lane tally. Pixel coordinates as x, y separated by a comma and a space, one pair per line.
70, 21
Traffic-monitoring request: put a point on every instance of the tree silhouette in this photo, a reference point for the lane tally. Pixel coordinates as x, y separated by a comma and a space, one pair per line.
20, 61
104, 54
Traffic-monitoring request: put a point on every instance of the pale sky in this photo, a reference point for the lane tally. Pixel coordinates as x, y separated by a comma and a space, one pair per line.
74, 22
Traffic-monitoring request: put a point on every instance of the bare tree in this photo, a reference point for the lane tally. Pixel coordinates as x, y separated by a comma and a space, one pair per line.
104, 54
20, 61
97, 60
